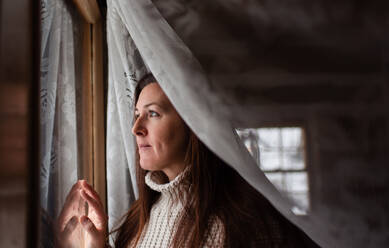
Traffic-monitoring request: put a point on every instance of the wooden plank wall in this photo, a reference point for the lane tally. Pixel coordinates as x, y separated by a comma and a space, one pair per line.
17, 120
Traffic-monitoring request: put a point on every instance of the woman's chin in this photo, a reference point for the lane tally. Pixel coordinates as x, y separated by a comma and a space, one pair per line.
148, 166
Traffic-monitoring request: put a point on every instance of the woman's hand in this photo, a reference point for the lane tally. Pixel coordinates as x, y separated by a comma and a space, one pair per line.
72, 215
95, 224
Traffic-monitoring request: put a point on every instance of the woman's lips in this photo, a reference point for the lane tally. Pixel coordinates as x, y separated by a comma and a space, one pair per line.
144, 147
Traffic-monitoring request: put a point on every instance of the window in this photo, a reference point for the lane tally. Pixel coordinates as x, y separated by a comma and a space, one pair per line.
280, 153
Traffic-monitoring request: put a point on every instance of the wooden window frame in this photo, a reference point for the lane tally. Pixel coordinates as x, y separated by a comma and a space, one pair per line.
92, 167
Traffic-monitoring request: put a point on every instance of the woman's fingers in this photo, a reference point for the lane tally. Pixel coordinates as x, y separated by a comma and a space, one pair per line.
96, 222
75, 188
69, 209
71, 198
69, 228
88, 226
92, 193
97, 236
97, 207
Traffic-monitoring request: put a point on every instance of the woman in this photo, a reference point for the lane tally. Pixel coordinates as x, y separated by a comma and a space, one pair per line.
188, 197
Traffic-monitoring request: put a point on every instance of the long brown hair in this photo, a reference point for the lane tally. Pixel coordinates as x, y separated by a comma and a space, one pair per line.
217, 191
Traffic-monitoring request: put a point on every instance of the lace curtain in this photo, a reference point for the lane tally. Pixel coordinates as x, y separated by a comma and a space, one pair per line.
59, 106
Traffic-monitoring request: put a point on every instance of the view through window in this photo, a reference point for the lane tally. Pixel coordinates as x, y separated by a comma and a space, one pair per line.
280, 153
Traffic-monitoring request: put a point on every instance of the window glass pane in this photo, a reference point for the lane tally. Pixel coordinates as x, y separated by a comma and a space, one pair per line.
296, 182
293, 160
269, 160
291, 137
269, 138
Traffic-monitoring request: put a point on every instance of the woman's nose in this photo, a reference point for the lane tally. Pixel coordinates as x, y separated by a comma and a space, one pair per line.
138, 129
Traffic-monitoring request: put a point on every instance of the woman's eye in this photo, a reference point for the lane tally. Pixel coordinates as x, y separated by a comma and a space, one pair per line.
153, 114
136, 116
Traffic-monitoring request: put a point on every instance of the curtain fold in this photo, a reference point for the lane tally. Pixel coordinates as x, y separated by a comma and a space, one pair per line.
123, 72
58, 106
139, 27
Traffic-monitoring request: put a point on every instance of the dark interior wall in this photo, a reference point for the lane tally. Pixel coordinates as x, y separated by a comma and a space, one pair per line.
16, 79
347, 148
347, 122
347, 144
348, 154
352, 158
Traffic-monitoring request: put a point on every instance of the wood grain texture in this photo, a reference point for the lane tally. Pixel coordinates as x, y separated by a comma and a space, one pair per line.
92, 166
99, 179
86, 166
89, 9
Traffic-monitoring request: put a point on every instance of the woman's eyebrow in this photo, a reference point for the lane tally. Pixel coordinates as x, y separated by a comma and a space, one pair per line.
152, 103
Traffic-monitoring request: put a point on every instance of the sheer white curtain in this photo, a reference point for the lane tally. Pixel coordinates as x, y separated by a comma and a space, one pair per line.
58, 119
138, 33
123, 73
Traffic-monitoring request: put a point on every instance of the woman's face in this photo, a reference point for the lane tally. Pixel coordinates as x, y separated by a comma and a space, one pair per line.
161, 134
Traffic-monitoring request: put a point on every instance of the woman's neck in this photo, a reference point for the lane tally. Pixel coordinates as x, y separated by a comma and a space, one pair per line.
173, 170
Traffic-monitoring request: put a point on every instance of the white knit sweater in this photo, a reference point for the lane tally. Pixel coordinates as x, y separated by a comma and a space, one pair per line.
165, 215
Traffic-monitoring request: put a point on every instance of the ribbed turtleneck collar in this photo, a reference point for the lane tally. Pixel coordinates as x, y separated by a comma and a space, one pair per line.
171, 189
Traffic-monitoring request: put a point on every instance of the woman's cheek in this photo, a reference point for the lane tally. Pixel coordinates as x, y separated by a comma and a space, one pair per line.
168, 135
178, 137
160, 139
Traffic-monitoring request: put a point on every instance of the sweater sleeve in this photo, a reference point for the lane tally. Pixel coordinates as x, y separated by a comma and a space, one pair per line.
215, 234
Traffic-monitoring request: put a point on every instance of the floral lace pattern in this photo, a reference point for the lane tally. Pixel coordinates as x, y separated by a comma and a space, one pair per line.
58, 108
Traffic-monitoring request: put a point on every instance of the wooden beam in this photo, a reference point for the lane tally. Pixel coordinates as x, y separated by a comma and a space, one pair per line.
92, 167
89, 9
99, 178
86, 165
